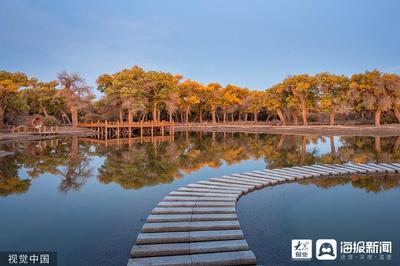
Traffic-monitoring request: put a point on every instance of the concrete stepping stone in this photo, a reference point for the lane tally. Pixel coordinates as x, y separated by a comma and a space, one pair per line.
289, 174
213, 217
186, 237
244, 179
340, 170
245, 188
283, 177
322, 171
155, 250
215, 235
166, 237
233, 181
263, 181
365, 168
205, 190
190, 226
279, 175
261, 176
195, 203
218, 246
201, 194
397, 169
387, 169
326, 169
224, 258
353, 169
159, 218
211, 187
188, 198
310, 171
304, 173
182, 260
191, 210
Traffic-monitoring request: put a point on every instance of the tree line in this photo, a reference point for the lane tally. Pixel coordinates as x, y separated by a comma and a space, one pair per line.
135, 94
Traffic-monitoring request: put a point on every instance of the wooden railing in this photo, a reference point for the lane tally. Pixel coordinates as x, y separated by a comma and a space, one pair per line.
127, 124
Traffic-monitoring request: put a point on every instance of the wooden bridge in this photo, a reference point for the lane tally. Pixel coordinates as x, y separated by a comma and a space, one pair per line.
197, 224
115, 130
129, 141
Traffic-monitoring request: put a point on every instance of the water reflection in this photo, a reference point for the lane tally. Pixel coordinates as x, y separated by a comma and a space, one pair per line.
375, 184
134, 165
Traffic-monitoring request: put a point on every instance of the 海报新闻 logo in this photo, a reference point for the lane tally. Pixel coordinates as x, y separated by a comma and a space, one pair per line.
326, 249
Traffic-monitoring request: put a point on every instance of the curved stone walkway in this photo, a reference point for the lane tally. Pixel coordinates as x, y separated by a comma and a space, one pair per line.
197, 224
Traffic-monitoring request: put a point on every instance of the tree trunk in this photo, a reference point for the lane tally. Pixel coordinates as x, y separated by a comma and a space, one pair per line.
397, 114
170, 116
224, 114
2, 111
46, 114
245, 117
378, 118
130, 115
154, 113
333, 147
332, 116
295, 119
280, 143
281, 116
213, 115
201, 114
396, 144
239, 117
255, 117
121, 117
187, 115
74, 116
303, 112
378, 144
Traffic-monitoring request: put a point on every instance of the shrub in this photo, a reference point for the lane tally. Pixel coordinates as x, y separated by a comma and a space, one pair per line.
51, 121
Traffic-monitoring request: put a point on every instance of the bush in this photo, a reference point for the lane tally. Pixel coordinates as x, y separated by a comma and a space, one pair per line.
51, 121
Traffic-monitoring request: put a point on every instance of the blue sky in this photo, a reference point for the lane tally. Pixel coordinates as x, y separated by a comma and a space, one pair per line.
249, 43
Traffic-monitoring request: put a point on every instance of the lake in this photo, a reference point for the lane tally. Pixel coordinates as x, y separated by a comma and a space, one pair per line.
88, 199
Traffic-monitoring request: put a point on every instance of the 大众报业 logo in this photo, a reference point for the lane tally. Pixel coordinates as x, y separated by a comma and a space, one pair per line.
301, 249
326, 249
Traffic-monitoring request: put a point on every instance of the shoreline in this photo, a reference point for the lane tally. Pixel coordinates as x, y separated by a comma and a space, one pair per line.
353, 130
337, 130
32, 136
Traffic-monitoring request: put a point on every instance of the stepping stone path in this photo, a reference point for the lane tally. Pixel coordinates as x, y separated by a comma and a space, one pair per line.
197, 224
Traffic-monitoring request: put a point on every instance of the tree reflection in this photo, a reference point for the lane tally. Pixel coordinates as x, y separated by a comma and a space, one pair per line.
375, 184
133, 166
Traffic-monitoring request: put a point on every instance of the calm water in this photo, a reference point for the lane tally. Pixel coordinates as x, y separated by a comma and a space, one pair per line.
88, 201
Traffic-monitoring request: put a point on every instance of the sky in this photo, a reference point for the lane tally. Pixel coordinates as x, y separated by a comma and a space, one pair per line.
250, 43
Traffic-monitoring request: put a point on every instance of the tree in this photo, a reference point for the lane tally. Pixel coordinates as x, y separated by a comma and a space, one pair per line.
301, 93
275, 101
187, 96
10, 84
229, 98
370, 90
75, 92
213, 92
43, 97
157, 86
332, 91
256, 101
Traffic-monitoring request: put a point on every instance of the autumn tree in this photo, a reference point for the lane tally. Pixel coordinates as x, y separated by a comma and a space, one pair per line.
274, 101
75, 92
228, 99
10, 84
332, 94
213, 92
370, 90
187, 97
301, 93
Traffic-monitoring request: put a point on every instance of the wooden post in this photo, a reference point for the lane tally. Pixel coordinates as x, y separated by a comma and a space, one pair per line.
106, 130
